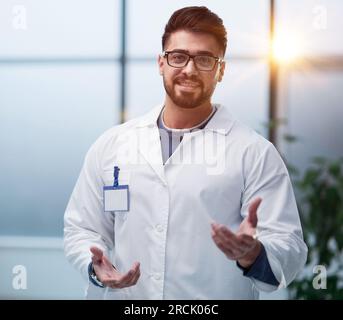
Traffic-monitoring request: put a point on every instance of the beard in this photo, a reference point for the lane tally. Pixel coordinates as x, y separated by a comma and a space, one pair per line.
185, 99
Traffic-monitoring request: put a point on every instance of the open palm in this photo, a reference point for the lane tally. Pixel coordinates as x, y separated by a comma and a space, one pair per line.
110, 276
241, 246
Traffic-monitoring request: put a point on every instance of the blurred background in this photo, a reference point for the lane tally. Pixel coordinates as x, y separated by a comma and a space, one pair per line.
71, 69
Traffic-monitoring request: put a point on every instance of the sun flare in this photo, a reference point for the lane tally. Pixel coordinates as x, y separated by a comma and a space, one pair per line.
286, 48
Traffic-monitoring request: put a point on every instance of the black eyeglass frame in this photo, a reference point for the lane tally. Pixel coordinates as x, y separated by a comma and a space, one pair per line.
219, 60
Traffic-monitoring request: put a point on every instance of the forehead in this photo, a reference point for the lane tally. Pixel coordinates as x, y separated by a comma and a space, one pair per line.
193, 42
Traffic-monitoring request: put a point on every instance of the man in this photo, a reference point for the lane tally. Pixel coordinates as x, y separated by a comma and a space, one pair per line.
185, 202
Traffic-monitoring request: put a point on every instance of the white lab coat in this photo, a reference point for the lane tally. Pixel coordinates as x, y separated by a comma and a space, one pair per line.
212, 176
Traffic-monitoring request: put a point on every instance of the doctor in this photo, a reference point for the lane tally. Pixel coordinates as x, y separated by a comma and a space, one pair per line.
184, 202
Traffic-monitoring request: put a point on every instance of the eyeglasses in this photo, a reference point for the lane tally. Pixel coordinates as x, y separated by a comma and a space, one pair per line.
180, 59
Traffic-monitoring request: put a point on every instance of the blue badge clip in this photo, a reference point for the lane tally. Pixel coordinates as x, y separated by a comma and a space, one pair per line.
116, 176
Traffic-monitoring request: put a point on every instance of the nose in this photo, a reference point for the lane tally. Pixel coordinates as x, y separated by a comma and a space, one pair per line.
190, 68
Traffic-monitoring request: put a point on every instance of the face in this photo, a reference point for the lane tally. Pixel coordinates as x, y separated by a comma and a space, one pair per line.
189, 87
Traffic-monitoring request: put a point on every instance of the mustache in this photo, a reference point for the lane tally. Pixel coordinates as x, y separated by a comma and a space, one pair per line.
191, 79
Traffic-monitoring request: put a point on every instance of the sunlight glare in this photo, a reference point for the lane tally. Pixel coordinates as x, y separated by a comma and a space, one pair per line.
286, 48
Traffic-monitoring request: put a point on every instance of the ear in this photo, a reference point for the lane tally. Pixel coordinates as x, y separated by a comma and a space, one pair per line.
221, 71
160, 61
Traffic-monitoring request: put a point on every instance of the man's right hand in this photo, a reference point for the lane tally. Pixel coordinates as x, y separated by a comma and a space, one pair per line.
109, 276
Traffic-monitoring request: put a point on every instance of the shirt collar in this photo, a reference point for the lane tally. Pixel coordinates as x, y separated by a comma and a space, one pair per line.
221, 122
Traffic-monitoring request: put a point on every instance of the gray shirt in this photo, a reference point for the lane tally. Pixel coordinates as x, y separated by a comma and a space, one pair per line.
171, 138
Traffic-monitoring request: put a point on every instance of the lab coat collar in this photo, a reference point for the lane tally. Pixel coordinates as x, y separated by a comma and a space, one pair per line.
150, 119
222, 121
150, 146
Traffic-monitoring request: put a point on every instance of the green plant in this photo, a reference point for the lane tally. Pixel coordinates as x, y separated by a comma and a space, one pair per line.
319, 193
320, 202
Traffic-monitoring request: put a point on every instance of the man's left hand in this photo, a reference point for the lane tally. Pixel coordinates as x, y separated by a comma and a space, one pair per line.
241, 246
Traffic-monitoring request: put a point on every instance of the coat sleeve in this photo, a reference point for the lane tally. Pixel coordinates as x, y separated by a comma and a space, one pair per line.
85, 222
279, 228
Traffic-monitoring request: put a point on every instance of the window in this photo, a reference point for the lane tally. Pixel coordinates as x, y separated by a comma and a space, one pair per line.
59, 90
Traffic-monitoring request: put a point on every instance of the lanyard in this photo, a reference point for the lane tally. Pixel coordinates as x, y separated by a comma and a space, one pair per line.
116, 176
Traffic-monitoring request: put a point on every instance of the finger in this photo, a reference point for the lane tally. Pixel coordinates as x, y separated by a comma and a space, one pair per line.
225, 249
112, 283
214, 225
253, 211
229, 253
135, 279
126, 279
123, 280
134, 269
226, 237
116, 281
231, 245
239, 244
97, 254
109, 283
225, 231
247, 244
247, 239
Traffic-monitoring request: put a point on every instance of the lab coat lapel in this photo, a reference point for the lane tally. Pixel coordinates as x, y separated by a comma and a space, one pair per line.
149, 143
207, 145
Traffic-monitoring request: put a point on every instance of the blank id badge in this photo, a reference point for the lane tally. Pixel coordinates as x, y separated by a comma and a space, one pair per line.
116, 197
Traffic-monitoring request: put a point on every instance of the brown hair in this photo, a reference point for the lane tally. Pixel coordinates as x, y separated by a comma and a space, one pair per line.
196, 19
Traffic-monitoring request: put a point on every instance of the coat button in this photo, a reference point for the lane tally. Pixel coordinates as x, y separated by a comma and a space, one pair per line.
159, 228
157, 276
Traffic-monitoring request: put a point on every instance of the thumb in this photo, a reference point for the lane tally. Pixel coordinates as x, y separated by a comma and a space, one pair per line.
252, 218
97, 255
